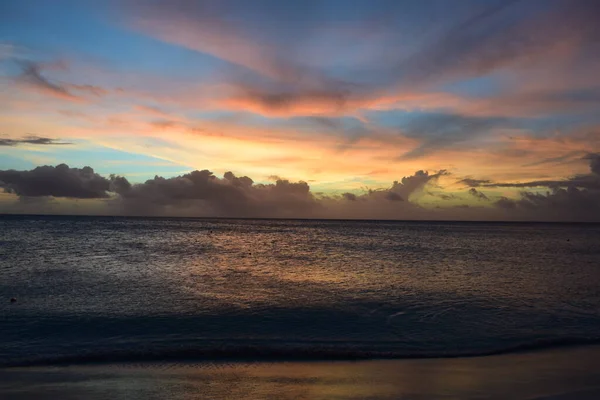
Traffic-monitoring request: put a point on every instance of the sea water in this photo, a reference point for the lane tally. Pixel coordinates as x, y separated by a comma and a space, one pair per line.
139, 289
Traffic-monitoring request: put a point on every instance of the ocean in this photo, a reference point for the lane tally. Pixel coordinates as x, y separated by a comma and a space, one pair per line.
112, 289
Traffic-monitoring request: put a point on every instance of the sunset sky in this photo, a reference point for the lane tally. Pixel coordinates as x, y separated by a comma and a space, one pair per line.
343, 109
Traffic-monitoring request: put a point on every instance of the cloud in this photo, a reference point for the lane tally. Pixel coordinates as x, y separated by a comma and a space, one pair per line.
473, 44
32, 140
262, 38
555, 160
201, 193
443, 196
155, 111
210, 27
583, 181
445, 130
474, 182
594, 162
575, 199
90, 89
507, 33
32, 76
569, 204
295, 101
349, 196
59, 181
506, 203
399, 191
477, 194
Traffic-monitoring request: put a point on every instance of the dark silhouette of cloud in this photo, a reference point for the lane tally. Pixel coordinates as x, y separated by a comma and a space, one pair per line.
32, 140
477, 194
239, 196
506, 203
201, 193
400, 191
59, 181
577, 198
349, 196
559, 204
204, 193
444, 196
393, 196
594, 162
474, 182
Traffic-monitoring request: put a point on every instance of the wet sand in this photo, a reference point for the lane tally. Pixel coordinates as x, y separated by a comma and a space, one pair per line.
568, 373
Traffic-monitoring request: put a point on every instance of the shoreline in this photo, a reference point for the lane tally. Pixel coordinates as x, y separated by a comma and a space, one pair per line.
244, 354
559, 373
274, 219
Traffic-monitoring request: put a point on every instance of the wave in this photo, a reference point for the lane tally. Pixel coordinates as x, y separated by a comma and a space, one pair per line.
244, 353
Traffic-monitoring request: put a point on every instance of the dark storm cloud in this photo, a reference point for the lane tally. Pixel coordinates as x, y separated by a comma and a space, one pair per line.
569, 204
201, 193
477, 194
119, 184
577, 198
239, 196
32, 140
59, 181
204, 193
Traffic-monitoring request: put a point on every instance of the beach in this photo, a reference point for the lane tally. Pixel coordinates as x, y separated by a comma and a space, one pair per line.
568, 373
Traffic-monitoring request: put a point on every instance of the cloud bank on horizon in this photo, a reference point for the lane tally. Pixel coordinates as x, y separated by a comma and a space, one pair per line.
201, 193
338, 97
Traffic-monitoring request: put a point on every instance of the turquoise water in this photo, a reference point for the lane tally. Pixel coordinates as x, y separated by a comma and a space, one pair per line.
118, 289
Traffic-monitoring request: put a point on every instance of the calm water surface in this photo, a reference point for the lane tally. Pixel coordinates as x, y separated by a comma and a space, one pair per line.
111, 289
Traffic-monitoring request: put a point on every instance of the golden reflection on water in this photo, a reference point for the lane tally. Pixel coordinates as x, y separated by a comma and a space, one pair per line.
515, 376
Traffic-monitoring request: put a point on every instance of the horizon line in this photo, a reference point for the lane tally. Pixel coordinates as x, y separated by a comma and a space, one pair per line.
3, 215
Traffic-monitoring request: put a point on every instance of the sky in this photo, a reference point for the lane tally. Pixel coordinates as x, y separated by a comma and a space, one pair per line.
379, 109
